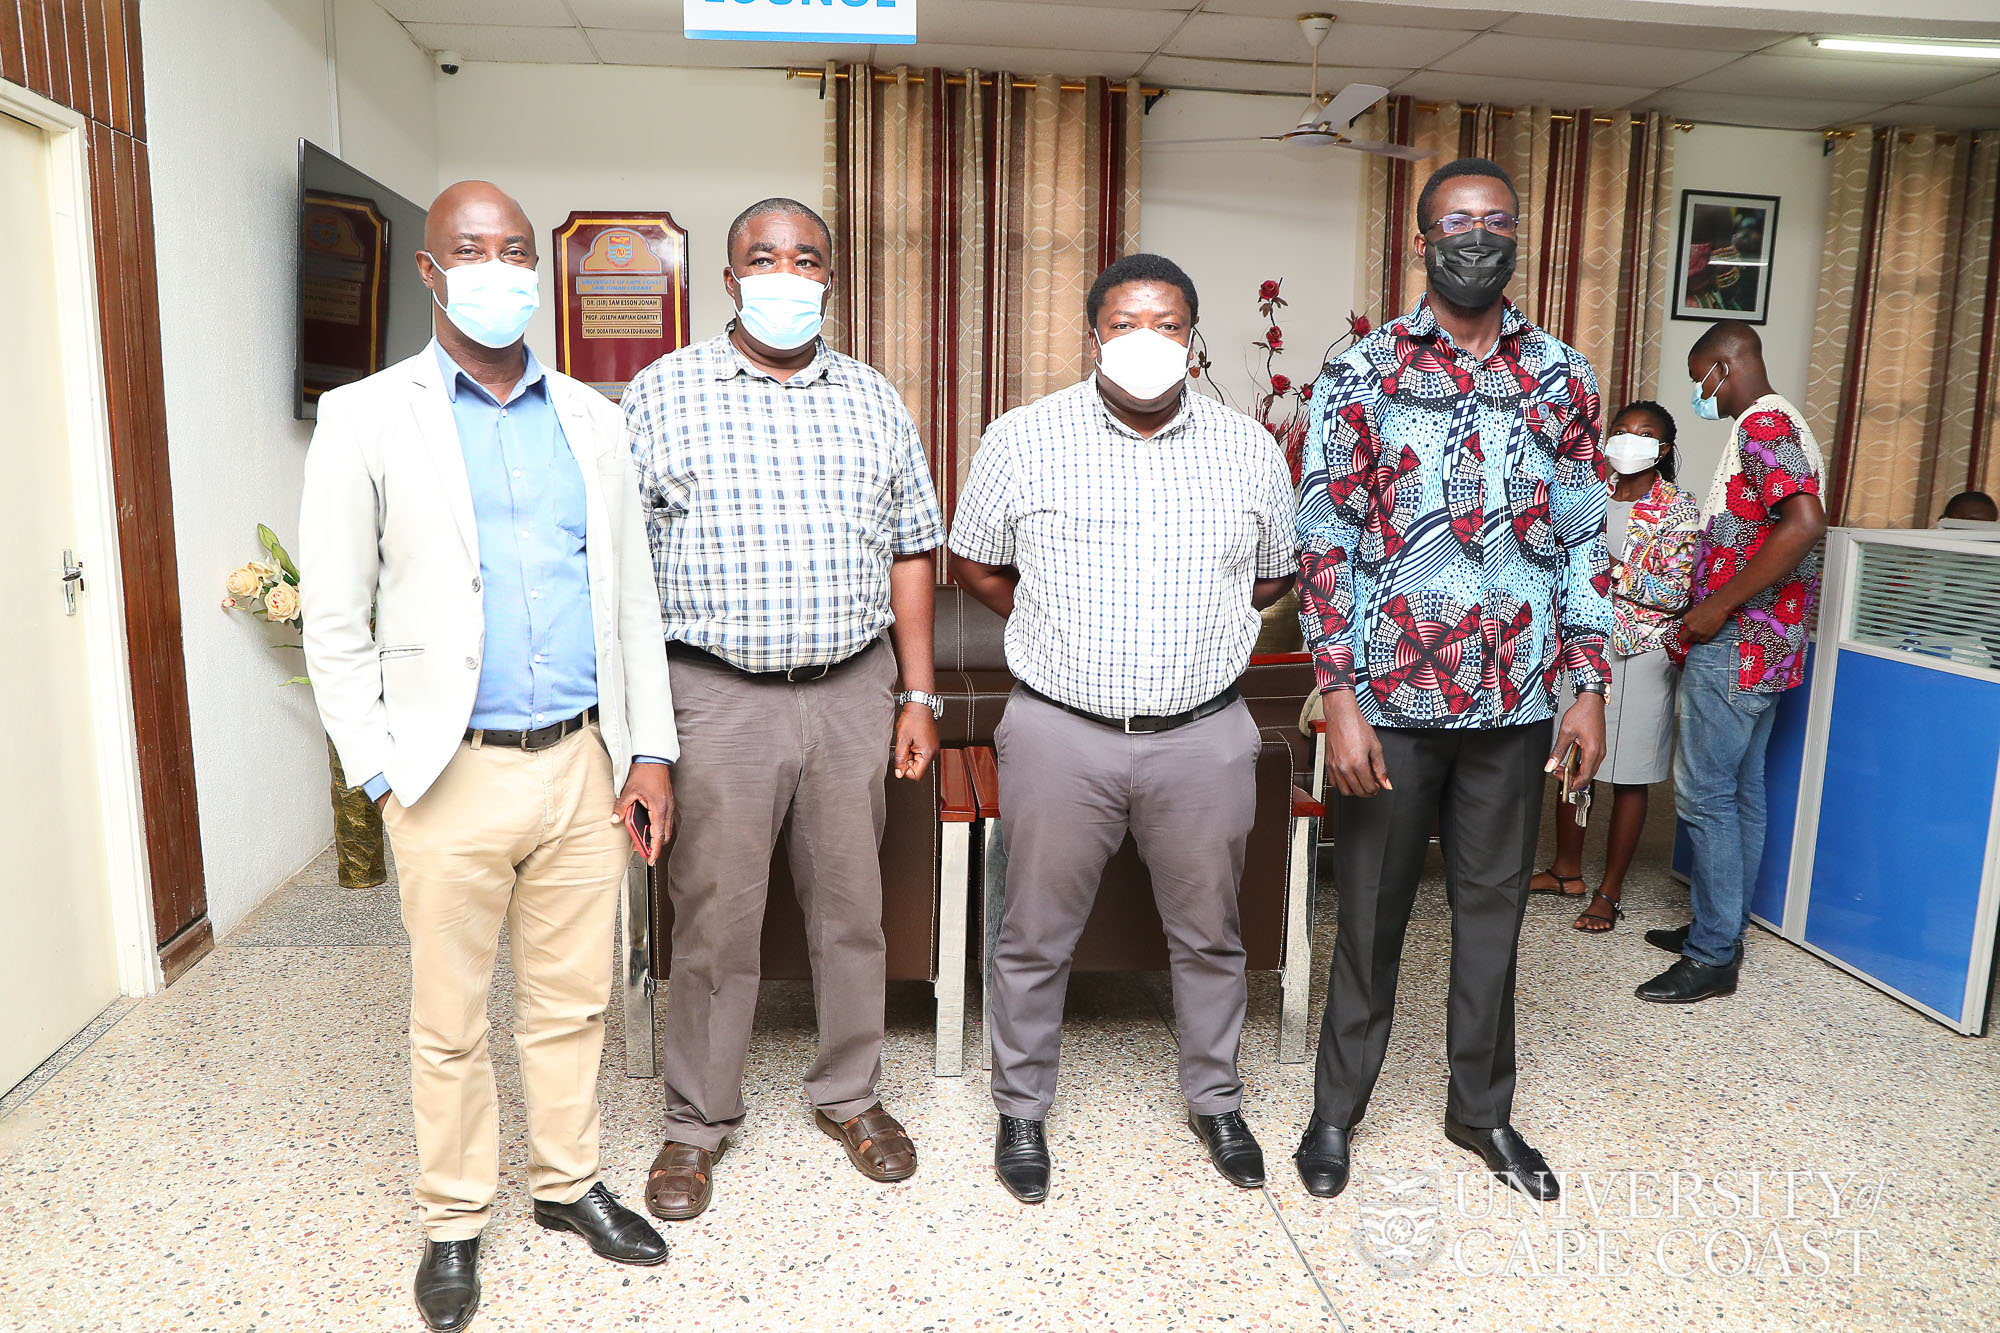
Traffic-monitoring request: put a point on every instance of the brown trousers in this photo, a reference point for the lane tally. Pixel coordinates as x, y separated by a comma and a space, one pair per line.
760, 758
525, 837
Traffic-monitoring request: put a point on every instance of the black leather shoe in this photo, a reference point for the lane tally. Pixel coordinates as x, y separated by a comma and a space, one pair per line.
613, 1230
1508, 1156
1231, 1147
1021, 1159
1673, 941
1687, 981
1322, 1159
448, 1284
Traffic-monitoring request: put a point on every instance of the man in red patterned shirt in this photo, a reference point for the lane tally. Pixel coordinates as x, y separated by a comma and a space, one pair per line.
1741, 645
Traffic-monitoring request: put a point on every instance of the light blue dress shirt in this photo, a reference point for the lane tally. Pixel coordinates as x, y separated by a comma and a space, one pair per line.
529, 506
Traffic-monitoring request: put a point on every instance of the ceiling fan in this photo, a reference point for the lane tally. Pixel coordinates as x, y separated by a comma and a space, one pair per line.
1326, 117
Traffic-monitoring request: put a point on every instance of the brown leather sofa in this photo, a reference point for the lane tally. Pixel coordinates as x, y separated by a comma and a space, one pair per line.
933, 877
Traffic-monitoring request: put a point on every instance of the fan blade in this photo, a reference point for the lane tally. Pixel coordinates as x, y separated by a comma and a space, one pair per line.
1383, 149
1192, 143
1350, 102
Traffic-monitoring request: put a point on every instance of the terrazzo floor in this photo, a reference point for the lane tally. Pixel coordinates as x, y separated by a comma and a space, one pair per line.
235, 1154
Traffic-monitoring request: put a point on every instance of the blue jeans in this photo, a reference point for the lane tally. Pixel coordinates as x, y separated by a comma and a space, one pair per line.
1719, 795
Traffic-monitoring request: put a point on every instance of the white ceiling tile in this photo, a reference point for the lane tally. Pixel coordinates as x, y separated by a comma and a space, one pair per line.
1518, 92
629, 15
525, 13
1944, 117
1688, 36
1240, 37
1255, 77
1066, 27
670, 48
1580, 62
515, 45
1024, 61
1829, 76
1387, 15
1980, 93
939, 6
1777, 113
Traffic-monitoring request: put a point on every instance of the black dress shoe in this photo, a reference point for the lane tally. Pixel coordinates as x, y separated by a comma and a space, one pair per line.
448, 1284
1231, 1147
1322, 1159
1687, 981
1021, 1159
1673, 941
613, 1230
1508, 1156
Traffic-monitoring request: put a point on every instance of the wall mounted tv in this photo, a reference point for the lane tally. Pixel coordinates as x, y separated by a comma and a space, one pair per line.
361, 303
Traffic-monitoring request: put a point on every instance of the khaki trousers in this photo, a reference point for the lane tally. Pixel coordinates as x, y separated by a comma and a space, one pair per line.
525, 837
760, 758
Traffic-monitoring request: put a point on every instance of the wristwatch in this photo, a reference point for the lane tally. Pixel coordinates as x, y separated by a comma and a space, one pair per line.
930, 701
1595, 687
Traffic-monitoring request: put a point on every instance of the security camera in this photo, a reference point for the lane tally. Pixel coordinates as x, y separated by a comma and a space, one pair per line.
449, 61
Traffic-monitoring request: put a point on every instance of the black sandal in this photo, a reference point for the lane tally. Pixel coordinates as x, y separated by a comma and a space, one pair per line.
1559, 891
1599, 923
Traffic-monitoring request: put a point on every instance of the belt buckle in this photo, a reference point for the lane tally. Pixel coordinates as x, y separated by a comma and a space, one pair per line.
793, 674
1129, 729
530, 744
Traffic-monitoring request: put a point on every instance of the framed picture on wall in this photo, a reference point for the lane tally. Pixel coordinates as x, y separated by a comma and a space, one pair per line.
1723, 263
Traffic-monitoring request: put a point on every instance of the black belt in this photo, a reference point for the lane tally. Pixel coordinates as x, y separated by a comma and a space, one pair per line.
1145, 726
541, 738
796, 675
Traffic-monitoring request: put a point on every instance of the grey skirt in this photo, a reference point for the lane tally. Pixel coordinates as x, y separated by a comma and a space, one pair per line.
1638, 719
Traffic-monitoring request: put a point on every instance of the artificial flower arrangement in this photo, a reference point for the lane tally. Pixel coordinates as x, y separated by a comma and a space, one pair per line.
266, 589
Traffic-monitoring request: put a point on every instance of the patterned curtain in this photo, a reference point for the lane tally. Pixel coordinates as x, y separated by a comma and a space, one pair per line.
1905, 379
969, 219
1596, 244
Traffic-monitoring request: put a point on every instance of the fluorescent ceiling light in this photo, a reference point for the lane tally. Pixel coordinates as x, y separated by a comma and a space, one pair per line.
1911, 46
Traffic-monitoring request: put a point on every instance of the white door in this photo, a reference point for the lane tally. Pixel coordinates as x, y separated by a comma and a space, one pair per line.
58, 967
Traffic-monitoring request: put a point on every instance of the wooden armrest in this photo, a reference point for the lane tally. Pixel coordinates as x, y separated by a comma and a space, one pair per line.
985, 770
1304, 806
1279, 659
956, 802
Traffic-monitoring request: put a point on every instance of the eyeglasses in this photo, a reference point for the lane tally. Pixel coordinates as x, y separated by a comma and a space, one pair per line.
1456, 224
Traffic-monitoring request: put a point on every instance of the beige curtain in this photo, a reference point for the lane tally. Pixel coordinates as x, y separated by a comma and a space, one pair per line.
1595, 242
969, 220
1903, 391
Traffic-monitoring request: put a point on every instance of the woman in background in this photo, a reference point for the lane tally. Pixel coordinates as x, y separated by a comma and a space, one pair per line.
1650, 530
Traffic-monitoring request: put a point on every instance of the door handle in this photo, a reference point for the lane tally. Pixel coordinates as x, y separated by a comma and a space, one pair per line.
72, 581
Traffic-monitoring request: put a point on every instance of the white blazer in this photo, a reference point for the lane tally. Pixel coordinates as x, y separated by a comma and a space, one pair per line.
386, 521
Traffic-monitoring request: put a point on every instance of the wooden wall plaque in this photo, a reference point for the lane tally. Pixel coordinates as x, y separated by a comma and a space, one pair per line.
621, 295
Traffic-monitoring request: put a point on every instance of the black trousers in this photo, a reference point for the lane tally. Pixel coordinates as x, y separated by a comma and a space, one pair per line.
1484, 790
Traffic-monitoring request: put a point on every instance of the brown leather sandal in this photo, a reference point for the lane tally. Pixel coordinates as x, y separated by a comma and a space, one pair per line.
1593, 922
680, 1181
878, 1146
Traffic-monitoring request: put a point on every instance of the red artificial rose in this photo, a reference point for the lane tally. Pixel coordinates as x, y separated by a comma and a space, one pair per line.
1280, 384
1765, 427
1275, 338
1358, 325
1269, 290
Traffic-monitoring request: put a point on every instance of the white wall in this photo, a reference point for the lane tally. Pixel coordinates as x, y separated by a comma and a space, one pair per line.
1233, 215
229, 91
701, 144
1790, 165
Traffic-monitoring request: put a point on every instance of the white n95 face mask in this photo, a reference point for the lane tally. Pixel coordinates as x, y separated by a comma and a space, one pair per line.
784, 311
1630, 452
490, 302
1143, 363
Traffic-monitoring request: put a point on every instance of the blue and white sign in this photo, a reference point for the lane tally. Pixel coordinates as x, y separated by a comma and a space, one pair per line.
872, 22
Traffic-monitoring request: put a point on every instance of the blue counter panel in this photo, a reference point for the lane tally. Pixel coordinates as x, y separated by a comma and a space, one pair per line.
1904, 814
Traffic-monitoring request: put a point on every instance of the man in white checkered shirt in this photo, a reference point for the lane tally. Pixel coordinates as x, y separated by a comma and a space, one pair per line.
792, 519
1129, 530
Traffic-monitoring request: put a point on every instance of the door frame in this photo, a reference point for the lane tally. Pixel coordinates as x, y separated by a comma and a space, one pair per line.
121, 809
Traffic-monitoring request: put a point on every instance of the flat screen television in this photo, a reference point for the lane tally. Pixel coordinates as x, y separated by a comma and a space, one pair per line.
361, 304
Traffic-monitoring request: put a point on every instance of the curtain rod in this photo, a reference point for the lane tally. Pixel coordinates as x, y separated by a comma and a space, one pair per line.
1508, 113
1949, 140
958, 81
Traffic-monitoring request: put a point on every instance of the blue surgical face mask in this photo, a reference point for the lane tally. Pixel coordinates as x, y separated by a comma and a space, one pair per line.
1707, 408
490, 302
783, 311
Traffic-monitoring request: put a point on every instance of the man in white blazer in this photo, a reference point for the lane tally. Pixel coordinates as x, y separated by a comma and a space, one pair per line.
483, 636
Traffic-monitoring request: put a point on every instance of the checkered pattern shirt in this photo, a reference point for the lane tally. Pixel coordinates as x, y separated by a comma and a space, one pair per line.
775, 508
1136, 555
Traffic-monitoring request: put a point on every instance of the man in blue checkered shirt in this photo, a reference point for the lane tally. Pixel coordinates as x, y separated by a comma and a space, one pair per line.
792, 519
1129, 530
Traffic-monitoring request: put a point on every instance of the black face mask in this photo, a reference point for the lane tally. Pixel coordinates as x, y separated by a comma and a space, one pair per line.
1471, 269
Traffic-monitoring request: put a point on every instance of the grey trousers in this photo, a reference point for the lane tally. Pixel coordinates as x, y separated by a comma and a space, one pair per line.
759, 758
1071, 789
1484, 789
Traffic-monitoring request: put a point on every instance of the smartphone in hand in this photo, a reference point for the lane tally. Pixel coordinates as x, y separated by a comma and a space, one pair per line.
639, 824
